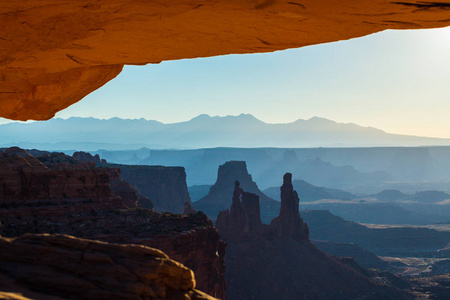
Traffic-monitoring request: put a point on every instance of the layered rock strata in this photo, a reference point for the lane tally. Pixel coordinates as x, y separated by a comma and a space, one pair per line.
160, 188
73, 268
189, 239
27, 182
59, 194
165, 186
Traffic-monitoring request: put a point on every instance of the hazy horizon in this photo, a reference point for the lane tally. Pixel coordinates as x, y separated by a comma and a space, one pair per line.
396, 81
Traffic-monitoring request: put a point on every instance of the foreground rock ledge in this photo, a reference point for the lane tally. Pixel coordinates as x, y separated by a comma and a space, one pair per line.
59, 267
53, 53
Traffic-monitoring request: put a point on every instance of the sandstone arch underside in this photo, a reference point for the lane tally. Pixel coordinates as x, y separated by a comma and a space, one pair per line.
53, 52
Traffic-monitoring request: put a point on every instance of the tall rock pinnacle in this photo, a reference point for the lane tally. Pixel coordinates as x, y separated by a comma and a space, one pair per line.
221, 195
244, 216
289, 221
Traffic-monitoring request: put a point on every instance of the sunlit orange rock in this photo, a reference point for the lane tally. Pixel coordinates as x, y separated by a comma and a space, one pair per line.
53, 53
72, 268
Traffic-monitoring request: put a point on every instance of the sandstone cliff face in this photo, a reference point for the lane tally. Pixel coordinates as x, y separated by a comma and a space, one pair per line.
201, 250
68, 267
221, 193
164, 186
189, 238
277, 261
119, 187
126, 191
53, 53
25, 179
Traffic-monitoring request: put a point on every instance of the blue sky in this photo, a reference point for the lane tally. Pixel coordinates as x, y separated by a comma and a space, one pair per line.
398, 81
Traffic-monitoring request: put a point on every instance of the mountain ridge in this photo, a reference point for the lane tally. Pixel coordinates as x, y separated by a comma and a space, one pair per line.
206, 131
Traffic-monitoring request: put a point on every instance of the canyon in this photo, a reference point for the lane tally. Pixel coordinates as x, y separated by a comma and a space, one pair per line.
57, 201
53, 53
219, 196
59, 194
261, 256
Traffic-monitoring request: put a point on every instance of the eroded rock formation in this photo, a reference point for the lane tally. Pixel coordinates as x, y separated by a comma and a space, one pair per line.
289, 222
59, 194
68, 268
25, 181
162, 188
53, 53
278, 260
244, 216
191, 240
165, 186
126, 191
220, 196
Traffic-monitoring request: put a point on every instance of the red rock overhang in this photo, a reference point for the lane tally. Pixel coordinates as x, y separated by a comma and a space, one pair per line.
53, 52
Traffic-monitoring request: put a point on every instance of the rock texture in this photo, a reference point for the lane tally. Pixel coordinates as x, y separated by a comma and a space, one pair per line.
165, 186
59, 194
53, 53
160, 188
119, 187
221, 193
68, 267
126, 191
244, 216
191, 240
277, 261
26, 181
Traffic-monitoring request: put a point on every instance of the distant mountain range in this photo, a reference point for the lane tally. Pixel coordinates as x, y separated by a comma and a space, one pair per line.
200, 132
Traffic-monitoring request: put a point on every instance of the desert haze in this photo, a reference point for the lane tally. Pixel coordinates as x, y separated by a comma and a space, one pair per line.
202, 131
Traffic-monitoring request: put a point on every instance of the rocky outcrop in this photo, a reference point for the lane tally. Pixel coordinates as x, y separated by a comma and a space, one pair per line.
189, 239
221, 193
69, 267
289, 222
57, 178
84, 156
244, 216
278, 261
53, 53
164, 186
26, 180
119, 187
126, 191
188, 208
79, 202
202, 251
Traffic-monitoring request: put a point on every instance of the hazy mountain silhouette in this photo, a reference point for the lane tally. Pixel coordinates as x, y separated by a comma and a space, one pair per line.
202, 131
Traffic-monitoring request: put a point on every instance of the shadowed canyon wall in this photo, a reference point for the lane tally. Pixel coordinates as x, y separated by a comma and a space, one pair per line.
260, 257
53, 53
57, 193
65, 267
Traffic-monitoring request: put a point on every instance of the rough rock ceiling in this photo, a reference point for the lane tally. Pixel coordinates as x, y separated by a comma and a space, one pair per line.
53, 52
